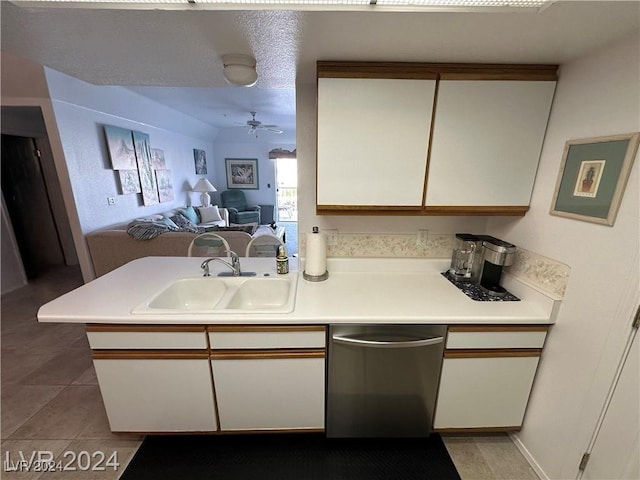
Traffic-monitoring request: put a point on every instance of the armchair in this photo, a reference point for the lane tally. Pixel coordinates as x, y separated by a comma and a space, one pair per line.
239, 212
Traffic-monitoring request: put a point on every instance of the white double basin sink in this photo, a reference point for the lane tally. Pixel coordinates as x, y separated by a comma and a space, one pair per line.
224, 295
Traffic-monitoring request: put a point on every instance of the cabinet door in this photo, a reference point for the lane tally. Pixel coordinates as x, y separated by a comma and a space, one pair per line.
269, 393
373, 138
485, 392
157, 394
487, 138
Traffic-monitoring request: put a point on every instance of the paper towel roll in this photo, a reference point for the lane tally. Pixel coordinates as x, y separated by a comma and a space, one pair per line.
316, 259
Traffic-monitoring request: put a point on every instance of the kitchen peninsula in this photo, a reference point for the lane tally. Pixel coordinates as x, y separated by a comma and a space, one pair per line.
167, 371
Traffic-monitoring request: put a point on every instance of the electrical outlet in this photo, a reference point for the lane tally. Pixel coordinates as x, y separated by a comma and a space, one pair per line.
331, 236
422, 238
111, 200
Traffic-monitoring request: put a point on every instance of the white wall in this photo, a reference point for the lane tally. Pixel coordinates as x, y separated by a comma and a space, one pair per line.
81, 111
23, 84
236, 143
306, 142
597, 95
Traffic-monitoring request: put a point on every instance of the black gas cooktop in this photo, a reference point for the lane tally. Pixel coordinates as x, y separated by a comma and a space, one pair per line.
475, 292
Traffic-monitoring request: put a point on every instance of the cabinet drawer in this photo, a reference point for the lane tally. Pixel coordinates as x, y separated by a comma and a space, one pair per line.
111, 337
473, 338
267, 337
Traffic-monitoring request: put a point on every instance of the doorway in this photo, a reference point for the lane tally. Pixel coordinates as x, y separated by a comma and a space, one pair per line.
287, 192
27, 201
287, 199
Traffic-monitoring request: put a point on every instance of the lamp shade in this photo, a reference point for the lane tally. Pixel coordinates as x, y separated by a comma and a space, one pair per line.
240, 70
203, 185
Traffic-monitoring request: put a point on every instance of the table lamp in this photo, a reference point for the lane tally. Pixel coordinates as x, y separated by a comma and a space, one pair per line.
204, 186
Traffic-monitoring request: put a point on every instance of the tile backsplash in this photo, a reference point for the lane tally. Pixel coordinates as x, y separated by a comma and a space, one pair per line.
542, 272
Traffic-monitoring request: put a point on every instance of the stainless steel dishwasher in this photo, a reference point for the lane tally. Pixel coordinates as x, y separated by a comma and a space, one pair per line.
383, 379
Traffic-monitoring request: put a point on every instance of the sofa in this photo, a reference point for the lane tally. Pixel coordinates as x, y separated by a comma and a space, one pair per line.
113, 247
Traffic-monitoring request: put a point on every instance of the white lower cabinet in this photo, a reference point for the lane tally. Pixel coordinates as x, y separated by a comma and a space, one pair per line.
157, 394
489, 392
277, 392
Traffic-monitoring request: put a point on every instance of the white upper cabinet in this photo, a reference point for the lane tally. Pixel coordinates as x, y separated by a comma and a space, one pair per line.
373, 141
430, 139
487, 138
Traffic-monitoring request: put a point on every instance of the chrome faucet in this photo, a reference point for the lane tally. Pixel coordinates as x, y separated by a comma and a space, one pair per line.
234, 265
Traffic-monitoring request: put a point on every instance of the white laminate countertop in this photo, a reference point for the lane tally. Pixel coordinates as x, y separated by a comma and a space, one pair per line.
357, 291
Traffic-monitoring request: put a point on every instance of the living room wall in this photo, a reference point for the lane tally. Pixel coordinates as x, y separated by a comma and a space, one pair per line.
235, 143
81, 111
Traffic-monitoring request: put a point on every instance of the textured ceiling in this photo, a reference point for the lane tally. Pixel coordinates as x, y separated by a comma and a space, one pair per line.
165, 49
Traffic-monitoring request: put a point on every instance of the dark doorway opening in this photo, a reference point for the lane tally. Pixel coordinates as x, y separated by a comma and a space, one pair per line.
27, 201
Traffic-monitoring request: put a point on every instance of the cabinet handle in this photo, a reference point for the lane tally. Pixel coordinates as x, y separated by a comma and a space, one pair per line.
361, 342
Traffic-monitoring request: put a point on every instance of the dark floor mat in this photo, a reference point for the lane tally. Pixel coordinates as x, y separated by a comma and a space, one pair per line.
289, 457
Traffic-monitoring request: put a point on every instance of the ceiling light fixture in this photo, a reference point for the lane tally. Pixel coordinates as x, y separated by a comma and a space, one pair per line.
240, 70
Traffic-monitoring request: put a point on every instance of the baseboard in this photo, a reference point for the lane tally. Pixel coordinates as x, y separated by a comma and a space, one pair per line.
528, 457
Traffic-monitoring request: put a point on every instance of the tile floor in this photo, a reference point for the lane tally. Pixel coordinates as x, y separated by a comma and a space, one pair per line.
51, 401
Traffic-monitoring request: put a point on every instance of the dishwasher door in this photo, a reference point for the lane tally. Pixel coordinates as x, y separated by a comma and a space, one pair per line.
383, 379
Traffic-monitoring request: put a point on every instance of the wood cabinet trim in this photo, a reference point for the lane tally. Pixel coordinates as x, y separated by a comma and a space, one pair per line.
272, 430
150, 354
500, 210
498, 328
103, 327
493, 353
449, 71
269, 354
394, 210
266, 328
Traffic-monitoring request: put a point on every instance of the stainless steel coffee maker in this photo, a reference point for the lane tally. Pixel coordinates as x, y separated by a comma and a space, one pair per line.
466, 259
496, 254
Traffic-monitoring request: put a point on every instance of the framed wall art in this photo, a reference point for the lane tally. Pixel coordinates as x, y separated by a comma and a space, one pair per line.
121, 150
593, 176
165, 185
200, 160
147, 175
242, 173
129, 181
157, 159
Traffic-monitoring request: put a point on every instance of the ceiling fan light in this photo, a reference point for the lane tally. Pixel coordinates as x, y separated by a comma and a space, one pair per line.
240, 70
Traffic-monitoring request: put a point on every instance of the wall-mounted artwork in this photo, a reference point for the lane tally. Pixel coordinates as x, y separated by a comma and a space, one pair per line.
593, 176
200, 160
121, 149
242, 173
165, 185
129, 181
157, 159
147, 176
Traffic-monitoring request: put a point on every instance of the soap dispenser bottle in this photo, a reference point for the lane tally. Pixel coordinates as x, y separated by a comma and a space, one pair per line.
282, 261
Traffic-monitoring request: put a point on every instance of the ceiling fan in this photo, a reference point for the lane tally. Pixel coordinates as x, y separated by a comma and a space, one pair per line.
255, 125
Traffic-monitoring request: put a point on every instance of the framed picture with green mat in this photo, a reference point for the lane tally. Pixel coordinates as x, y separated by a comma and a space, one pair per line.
593, 176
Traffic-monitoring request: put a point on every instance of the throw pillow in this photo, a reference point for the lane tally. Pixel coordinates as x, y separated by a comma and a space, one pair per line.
209, 214
184, 224
191, 214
